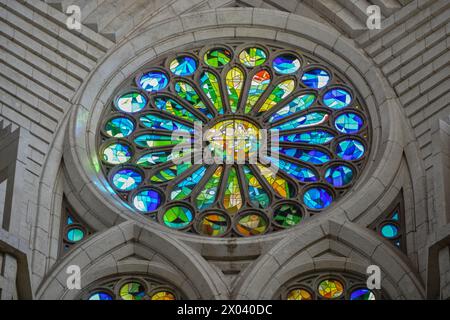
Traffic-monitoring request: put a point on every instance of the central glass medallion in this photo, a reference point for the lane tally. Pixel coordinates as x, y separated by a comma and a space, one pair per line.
234, 140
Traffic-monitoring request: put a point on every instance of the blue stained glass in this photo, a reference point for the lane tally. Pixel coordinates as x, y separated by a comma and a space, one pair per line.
362, 294
310, 156
308, 120
348, 123
183, 66
317, 198
155, 140
300, 173
350, 149
117, 153
126, 179
339, 175
286, 64
147, 200
185, 187
156, 122
75, 234
310, 137
316, 78
119, 127
69, 220
395, 216
389, 231
337, 98
298, 104
100, 296
131, 102
153, 81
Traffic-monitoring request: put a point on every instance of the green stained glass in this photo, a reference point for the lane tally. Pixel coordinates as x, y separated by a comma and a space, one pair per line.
171, 106
132, 291
298, 104
185, 187
119, 127
259, 84
287, 215
217, 57
150, 159
170, 173
234, 82
187, 92
161, 123
281, 186
213, 225
232, 199
308, 120
208, 195
258, 196
251, 225
281, 91
178, 217
154, 140
210, 86
252, 57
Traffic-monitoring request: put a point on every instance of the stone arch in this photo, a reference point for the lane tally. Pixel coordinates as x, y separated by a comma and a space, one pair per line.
108, 253
326, 246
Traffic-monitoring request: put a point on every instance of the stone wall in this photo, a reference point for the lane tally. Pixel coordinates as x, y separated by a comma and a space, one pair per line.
46, 67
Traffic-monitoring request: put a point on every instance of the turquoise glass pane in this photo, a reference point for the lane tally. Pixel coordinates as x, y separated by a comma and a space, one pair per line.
389, 230
298, 104
286, 64
147, 200
153, 158
160, 123
309, 137
119, 127
316, 78
300, 173
310, 156
348, 123
153, 81
317, 198
350, 149
183, 66
131, 102
117, 153
395, 216
183, 189
258, 196
308, 120
154, 140
339, 175
126, 179
75, 234
337, 98
174, 108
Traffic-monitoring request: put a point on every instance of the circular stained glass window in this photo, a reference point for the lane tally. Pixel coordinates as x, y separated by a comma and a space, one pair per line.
163, 295
299, 294
331, 289
283, 137
132, 291
75, 234
362, 294
100, 296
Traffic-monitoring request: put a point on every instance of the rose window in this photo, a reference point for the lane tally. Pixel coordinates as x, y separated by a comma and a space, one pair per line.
234, 139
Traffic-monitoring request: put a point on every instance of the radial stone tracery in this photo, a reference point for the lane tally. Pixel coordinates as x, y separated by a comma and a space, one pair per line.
284, 136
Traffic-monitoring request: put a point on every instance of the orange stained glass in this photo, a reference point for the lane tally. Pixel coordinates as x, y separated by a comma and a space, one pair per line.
280, 185
331, 288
